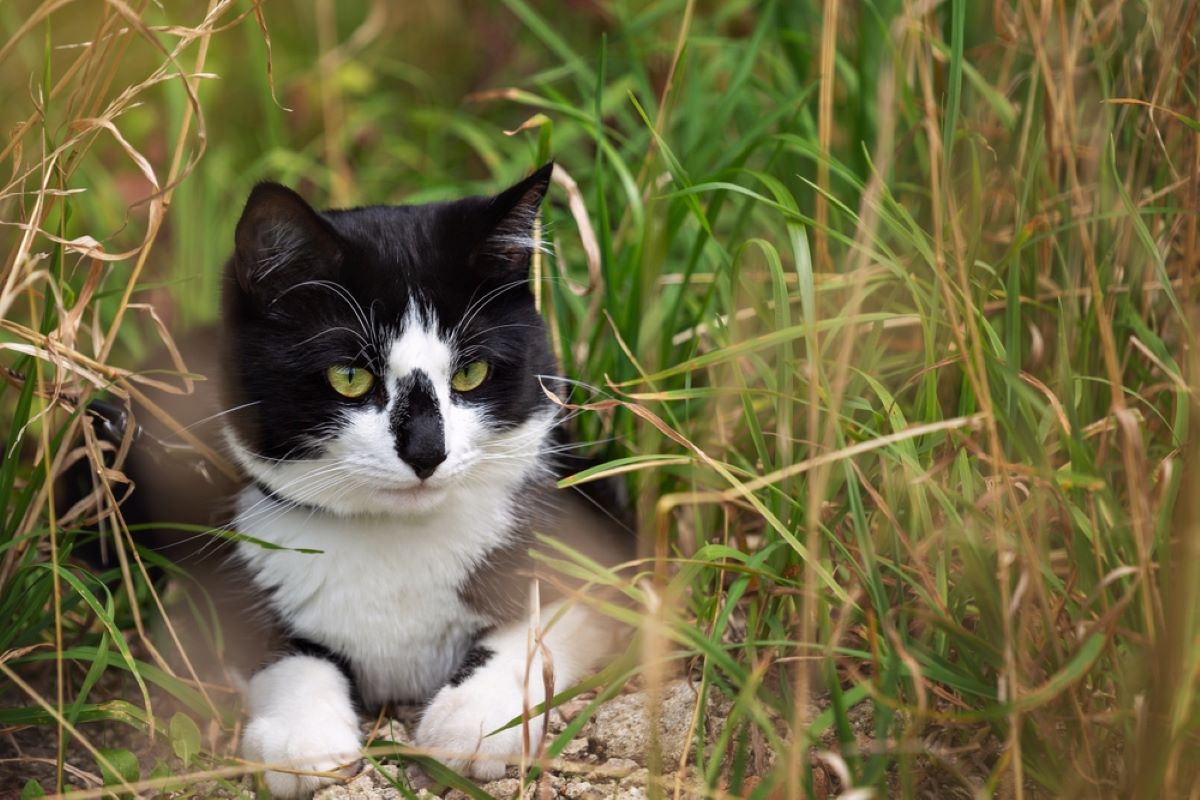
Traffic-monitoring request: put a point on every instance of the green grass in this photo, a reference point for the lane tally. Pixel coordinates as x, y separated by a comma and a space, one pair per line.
901, 371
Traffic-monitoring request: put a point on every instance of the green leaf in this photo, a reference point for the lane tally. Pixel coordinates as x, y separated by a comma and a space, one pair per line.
220, 533
32, 789
621, 465
162, 772
1074, 671
118, 766
395, 783
185, 737
444, 776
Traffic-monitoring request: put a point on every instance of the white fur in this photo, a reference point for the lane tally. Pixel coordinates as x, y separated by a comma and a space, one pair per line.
458, 726
384, 591
420, 347
301, 717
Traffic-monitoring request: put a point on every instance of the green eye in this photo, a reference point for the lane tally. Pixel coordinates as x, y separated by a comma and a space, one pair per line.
470, 376
350, 381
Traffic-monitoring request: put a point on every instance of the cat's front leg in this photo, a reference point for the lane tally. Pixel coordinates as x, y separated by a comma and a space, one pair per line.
490, 690
301, 716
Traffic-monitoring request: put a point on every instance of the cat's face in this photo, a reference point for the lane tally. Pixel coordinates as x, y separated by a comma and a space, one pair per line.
382, 359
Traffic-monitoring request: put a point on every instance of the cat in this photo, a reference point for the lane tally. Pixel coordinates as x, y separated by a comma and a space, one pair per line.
384, 372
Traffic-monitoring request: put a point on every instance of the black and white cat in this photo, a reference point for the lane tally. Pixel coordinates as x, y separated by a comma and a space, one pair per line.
385, 367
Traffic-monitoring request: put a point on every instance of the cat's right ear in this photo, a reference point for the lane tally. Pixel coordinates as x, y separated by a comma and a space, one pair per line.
280, 241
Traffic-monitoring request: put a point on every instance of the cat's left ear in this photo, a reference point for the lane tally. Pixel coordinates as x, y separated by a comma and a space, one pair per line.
510, 218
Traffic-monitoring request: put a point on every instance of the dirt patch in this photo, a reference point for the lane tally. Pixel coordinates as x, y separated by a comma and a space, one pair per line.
609, 758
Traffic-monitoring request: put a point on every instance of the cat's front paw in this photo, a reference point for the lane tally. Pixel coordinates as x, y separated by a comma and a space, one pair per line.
332, 747
455, 726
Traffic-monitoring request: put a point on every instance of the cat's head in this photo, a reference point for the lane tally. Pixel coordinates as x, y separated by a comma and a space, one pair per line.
380, 359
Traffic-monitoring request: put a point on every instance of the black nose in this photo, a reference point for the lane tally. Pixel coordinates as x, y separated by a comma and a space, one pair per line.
422, 444
425, 465
417, 425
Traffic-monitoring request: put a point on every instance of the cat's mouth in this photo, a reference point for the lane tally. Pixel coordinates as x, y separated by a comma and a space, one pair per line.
422, 494
415, 489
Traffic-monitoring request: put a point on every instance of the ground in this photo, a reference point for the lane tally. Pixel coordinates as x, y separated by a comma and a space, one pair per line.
608, 759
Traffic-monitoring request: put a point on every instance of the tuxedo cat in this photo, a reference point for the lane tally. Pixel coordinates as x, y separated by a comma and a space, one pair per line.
385, 370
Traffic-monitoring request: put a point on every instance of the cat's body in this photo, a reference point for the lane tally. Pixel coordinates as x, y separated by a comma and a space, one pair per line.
410, 629
385, 374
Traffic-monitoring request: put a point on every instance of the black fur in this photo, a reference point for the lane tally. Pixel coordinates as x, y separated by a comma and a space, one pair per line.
307, 290
475, 658
298, 645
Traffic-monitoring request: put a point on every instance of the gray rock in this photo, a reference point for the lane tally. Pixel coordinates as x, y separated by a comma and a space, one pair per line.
576, 748
613, 769
639, 777
586, 790
503, 788
622, 725
391, 729
368, 784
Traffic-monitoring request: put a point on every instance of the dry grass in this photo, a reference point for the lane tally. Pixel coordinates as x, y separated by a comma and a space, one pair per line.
943, 463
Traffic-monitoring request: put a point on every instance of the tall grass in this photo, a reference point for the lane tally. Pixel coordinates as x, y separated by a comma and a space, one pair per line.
888, 310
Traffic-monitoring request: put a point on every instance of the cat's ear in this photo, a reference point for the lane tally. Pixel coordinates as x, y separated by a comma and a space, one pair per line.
281, 240
510, 217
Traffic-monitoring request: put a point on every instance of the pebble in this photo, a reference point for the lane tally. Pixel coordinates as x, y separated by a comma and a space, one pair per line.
613, 768
575, 748
504, 787
368, 784
616, 740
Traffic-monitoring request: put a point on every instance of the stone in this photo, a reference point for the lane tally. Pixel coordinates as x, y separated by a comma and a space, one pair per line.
392, 730
503, 788
368, 784
622, 725
576, 748
614, 768
639, 777
586, 790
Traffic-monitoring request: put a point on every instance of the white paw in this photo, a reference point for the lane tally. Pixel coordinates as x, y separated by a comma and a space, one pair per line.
455, 726
329, 747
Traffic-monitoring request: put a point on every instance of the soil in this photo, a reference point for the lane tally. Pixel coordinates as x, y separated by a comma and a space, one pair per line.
609, 757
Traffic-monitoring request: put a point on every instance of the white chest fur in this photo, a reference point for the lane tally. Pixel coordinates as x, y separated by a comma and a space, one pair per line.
384, 590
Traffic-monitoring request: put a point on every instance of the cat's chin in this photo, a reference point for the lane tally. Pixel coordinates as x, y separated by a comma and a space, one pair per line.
386, 501
389, 500
418, 499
